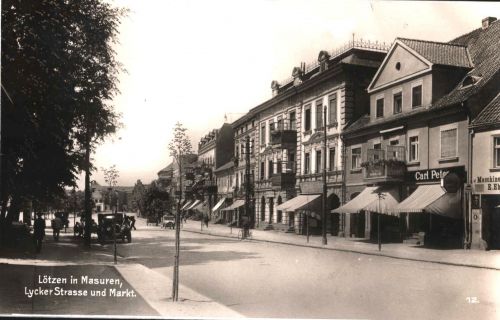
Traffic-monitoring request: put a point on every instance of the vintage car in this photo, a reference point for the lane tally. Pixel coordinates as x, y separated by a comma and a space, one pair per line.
168, 221
119, 221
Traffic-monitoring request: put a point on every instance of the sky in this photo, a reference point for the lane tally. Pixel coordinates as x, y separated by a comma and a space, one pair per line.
197, 62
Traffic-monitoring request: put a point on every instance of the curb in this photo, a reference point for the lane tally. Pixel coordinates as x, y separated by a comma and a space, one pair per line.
381, 254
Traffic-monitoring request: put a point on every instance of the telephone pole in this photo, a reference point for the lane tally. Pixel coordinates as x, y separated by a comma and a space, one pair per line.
247, 179
323, 212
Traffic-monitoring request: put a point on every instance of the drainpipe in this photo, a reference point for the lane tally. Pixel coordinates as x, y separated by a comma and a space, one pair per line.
468, 210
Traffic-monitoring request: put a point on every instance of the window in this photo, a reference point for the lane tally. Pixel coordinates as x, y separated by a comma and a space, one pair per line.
356, 158
291, 162
318, 161
271, 126
376, 155
263, 135
262, 170
293, 124
319, 114
280, 123
333, 109
307, 163
270, 168
449, 143
332, 159
279, 166
496, 152
416, 96
413, 151
394, 142
397, 102
380, 108
307, 118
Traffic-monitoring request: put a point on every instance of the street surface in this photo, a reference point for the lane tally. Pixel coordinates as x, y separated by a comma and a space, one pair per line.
260, 279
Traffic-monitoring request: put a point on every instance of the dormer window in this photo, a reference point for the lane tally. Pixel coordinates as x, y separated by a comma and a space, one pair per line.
470, 80
323, 60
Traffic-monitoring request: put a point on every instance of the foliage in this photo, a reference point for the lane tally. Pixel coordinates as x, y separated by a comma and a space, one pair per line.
60, 73
156, 201
138, 198
110, 175
391, 163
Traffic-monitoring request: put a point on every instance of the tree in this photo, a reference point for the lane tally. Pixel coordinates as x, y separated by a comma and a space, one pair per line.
138, 195
156, 201
60, 74
179, 146
110, 176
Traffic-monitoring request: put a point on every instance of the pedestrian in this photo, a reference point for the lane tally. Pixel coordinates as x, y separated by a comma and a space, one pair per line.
38, 232
205, 219
56, 224
132, 226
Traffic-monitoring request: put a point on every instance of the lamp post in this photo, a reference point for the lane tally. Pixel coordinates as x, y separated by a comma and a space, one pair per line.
323, 212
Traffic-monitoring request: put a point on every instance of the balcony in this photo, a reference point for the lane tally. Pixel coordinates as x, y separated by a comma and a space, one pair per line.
385, 165
286, 139
283, 180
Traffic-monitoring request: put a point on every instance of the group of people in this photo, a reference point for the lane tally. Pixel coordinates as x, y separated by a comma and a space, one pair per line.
57, 224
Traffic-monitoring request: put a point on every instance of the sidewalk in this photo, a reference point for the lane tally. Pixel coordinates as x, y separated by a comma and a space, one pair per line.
153, 287
455, 257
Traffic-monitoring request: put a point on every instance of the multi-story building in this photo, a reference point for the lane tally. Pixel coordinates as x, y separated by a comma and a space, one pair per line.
214, 150
225, 191
286, 135
422, 100
485, 204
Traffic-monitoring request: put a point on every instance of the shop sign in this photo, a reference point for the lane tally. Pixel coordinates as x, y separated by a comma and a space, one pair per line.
434, 174
487, 185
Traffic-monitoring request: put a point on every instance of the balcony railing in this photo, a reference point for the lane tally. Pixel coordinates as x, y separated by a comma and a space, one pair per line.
283, 179
284, 138
386, 164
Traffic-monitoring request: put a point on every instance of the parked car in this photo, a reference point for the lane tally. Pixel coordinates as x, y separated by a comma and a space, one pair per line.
168, 221
119, 221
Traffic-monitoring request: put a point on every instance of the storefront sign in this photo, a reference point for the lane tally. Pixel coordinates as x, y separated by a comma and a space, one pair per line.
434, 174
487, 185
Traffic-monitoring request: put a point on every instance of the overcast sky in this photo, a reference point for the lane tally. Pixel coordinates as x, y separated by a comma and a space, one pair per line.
195, 61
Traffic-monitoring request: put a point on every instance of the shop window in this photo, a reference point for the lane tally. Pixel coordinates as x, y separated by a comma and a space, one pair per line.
448, 143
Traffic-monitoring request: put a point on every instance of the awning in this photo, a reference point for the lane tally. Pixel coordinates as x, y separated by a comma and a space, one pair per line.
432, 199
198, 206
187, 204
299, 202
388, 200
359, 203
194, 204
235, 205
218, 205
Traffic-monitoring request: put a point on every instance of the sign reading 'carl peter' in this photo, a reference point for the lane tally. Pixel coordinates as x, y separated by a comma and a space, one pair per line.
433, 174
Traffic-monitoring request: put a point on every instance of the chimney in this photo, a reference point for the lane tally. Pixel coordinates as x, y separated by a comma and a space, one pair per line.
488, 21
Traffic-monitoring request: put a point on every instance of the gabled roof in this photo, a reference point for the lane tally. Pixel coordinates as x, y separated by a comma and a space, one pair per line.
170, 167
483, 48
490, 114
440, 53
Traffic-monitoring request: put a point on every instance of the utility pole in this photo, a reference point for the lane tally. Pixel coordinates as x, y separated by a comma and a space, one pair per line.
247, 181
323, 213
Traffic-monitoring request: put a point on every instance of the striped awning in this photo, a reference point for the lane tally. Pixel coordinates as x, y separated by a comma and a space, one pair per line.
218, 205
432, 199
374, 199
194, 204
235, 205
301, 201
187, 204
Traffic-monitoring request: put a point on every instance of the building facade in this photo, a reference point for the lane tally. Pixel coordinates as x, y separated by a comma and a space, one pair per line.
413, 147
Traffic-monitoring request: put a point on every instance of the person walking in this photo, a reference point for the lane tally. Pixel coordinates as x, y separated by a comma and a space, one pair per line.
132, 226
38, 232
56, 227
